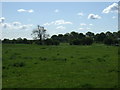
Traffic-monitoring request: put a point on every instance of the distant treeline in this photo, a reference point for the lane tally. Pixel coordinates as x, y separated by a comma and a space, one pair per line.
73, 38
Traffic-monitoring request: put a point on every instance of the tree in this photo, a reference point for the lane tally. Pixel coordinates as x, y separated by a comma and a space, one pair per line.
25, 41
115, 35
109, 34
74, 35
40, 34
75, 42
14, 41
119, 34
19, 40
108, 41
83, 41
81, 35
60, 37
87, 41
90, 34
54, 37
66, 37
100, 37
6, 41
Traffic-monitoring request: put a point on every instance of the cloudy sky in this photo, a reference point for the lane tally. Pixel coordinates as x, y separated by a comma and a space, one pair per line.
19, 19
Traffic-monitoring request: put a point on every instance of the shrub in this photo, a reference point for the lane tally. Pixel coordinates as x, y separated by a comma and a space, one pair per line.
55, 42
108, 41
87, 41
75, 42
51, 42
83, 41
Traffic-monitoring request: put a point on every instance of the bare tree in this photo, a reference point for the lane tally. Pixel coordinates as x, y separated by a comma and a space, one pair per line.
39, 33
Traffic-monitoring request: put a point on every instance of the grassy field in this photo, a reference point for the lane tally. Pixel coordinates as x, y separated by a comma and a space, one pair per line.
63, 66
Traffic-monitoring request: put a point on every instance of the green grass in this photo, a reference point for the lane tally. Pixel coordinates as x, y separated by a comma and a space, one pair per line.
64, 66
0, 65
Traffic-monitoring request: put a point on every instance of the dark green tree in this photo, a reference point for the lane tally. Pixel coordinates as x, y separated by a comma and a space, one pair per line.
90, 34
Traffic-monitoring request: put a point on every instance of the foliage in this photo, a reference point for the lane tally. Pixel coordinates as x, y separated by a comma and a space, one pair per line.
73, 38
51, 42
83, 41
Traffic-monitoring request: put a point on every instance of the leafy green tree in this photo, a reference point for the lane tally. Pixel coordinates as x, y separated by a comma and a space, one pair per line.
75, 42
81, 36
100, 37
66, 37
25, 41
109, 34
109, 41
14, 41
54, 37
90, 34
19, 40
6, 41
60, 38
87, 41
119, 34
74, 35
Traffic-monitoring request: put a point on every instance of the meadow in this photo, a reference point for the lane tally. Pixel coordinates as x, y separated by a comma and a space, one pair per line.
63, 66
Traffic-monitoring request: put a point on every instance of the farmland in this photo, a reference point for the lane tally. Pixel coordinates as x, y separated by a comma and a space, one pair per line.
63, 66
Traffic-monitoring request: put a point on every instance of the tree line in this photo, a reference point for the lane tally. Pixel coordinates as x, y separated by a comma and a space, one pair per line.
73, 38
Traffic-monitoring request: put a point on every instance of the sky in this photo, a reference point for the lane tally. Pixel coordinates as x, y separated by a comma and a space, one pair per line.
19, 19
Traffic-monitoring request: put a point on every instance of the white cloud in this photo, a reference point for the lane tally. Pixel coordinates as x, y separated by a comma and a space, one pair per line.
80, 14
93, 16
5, 25
113, 17
61, 27
91, 24
84, 28
56, 10
82, 24
23, 10
30, 11
111, 8
16, 23
81, 28
2, 19
16, 26
25, 27
58, 22
46, 24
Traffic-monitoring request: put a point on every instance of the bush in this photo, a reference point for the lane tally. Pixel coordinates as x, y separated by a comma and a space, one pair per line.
84, 41
75, 42
38, 42
108, 41
87, 41
55, 42
51, 42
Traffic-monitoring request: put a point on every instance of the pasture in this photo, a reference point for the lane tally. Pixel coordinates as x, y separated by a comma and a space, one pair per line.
63, 66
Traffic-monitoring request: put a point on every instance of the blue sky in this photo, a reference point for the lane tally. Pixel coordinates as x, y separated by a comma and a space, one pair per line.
19, 19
